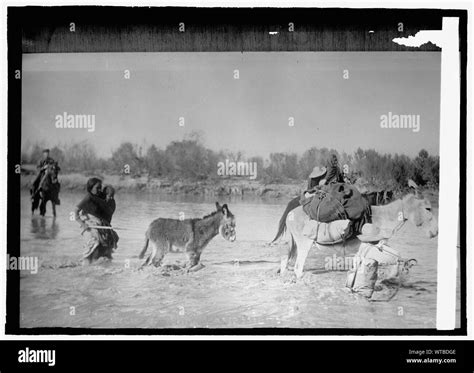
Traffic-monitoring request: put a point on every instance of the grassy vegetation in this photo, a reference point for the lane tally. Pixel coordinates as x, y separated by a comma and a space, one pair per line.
189, 167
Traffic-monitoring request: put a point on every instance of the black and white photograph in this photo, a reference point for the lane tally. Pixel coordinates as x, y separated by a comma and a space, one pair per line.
243, 174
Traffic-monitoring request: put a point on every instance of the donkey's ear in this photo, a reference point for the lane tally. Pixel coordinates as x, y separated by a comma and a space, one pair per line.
225, 210
218, 206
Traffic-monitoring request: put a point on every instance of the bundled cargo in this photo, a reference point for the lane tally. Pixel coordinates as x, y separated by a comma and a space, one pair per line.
328, 233
335, 202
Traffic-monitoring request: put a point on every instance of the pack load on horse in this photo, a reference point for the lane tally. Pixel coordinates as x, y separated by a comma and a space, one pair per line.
337, 210
374, 254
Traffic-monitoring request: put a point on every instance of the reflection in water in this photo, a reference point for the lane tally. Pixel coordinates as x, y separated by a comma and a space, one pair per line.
44, 228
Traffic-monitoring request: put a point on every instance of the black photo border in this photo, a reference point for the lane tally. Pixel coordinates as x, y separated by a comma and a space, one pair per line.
32, 23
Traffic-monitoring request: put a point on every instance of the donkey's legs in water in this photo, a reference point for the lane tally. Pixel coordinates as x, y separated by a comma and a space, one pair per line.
193, 256
159, 255
304, 245
156, 255
150, 258
193, 261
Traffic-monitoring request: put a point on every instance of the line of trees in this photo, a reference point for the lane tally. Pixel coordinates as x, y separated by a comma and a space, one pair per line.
189, 159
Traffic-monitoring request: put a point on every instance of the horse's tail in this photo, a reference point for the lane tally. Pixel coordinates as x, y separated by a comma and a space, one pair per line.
145, 247
292, 253
294, 203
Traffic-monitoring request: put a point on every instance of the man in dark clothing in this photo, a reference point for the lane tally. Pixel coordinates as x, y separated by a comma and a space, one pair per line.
325, 175
45, 160
41, 166
334, 174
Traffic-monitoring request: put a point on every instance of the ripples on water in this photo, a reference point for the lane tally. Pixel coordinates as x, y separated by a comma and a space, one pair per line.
238, 286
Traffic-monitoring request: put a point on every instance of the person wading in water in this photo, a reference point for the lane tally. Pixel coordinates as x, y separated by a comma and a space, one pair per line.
96, 210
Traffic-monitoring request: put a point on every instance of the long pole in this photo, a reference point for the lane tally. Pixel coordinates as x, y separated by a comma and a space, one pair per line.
104, 227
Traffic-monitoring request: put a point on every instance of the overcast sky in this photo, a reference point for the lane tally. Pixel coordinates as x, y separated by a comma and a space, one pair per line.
249, 114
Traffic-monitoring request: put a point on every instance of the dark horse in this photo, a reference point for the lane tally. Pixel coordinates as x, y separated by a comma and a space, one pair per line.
48, 190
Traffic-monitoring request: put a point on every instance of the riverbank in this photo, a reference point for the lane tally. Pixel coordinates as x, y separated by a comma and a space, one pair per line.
214, 187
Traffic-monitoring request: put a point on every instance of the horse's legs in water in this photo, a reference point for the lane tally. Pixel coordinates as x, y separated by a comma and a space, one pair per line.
284, 263
54, 208
34, 204
303, 246
42, 207
285, 257
295, 224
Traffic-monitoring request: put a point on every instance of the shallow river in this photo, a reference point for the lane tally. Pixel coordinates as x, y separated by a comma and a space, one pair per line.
238, 286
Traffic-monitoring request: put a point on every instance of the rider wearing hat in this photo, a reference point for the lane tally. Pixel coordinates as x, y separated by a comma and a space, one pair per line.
326, 175
316, 177
41, 166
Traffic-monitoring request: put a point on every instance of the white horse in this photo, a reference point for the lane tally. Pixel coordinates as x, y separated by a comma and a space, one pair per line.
411, 208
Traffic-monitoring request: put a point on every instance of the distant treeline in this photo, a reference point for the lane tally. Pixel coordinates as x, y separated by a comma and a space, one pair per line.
189, 159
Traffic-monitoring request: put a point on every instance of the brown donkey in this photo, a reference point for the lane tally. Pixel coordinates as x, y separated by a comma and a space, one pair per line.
189, 235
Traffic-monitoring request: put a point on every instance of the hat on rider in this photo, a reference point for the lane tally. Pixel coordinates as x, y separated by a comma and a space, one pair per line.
317, 172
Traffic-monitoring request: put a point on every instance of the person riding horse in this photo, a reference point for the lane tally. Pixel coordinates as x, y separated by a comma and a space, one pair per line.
325, 175
42, 165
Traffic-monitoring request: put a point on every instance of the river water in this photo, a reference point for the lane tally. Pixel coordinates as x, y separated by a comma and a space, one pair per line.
237, 288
